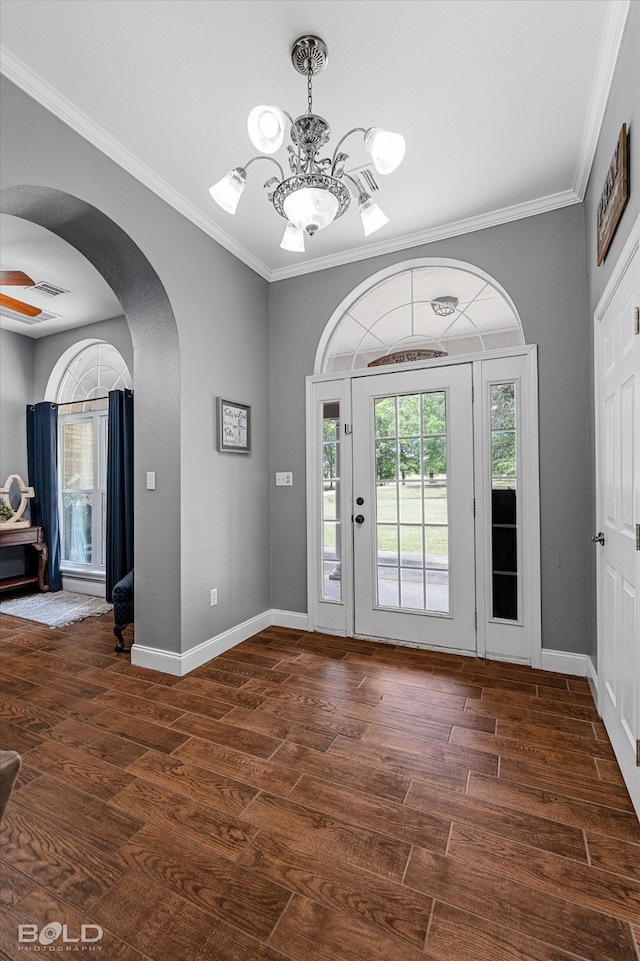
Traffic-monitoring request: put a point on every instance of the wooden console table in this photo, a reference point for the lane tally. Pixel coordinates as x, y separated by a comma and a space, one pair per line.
32, 537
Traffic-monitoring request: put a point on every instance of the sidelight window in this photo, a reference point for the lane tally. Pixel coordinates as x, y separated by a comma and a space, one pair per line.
504, 506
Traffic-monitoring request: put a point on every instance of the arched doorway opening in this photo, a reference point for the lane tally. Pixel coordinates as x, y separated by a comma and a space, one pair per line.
154, 336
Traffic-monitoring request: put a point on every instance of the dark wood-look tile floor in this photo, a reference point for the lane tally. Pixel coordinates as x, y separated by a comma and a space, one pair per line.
311, 798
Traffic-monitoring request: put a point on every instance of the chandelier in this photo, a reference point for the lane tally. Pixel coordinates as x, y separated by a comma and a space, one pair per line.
316, 193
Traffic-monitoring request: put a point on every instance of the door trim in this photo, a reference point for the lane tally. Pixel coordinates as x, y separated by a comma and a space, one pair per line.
337, 385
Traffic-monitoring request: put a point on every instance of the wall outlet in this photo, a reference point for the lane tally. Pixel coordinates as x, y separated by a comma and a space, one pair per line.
213, 596
151, 480
284, 479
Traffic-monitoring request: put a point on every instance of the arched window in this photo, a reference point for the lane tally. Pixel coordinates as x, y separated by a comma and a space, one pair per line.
441, 305
92, 373
82, 396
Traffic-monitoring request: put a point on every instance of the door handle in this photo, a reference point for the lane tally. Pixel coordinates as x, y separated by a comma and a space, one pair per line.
598, 538
359, 518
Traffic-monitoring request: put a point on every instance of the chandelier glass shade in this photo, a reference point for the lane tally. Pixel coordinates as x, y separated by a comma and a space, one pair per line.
319, 190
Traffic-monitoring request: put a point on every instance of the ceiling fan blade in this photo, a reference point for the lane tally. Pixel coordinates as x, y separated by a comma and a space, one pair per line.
15, 278
19, 306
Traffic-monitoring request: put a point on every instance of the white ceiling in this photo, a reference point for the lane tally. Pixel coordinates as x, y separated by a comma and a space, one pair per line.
500, 102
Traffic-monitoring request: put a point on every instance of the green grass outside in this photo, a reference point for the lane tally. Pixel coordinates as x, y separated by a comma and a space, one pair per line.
410, 495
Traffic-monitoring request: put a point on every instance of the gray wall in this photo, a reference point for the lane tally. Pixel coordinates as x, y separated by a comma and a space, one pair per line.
623, 106
16, 379
540, 262
199, 328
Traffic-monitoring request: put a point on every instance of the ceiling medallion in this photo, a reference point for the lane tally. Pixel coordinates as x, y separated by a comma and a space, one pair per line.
316, 193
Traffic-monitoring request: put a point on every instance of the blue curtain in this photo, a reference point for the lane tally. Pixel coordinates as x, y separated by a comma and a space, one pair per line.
42, 461
119, 539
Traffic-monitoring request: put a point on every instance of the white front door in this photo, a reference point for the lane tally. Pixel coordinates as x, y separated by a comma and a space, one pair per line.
617, 372
413, 507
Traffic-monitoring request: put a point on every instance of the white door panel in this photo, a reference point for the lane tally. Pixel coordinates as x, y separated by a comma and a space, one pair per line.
413, 532
617, 388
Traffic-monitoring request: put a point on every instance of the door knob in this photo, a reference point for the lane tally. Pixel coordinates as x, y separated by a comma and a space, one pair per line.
598, 538
359, 518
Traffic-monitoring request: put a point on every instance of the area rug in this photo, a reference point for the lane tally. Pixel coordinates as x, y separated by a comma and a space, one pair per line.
56, 610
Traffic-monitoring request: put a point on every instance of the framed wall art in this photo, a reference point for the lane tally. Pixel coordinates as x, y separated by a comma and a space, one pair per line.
233, 426
614, 196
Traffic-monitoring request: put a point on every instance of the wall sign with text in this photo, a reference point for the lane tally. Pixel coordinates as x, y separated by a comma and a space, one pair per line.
614, 196
234, 426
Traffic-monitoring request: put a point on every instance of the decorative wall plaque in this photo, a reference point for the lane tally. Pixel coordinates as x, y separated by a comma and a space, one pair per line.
407, 357
614, 196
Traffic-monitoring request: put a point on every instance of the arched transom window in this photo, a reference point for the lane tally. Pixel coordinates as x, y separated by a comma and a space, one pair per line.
436, 305
92, 373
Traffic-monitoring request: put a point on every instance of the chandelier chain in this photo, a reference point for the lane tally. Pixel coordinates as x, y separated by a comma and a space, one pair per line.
309, 88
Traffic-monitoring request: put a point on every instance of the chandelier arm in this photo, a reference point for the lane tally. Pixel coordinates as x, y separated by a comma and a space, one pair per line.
340, 142
264, 157
354, 182
295, 138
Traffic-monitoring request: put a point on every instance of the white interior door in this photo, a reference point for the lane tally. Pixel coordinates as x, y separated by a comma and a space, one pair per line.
413, 507
617, 371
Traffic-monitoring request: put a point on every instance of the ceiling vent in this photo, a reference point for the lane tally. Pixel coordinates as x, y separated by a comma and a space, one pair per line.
367, 179
14, 315
50, 290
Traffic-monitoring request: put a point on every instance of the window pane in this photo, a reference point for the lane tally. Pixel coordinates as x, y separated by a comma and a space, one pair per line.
385, 417
410, 457
433, 412
76, 527
503, 407
386, 467
435, 503
411, 503
503, 453
77, 456
409, 414
435, 457
388, 586
412, 589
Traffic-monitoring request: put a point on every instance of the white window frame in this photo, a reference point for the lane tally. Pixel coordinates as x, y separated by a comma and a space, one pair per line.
99, 420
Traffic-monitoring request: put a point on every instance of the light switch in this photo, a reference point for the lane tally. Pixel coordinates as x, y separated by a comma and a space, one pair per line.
284, 479
151, 480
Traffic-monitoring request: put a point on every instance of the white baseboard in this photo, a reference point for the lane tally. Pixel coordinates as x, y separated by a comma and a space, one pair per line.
78, 585
181, 664
298, 622
579, 665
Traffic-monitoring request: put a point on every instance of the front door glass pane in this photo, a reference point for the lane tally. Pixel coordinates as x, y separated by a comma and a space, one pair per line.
412, 533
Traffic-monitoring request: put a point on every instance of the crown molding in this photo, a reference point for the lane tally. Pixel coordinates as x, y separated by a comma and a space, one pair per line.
609, 50
443, 232
32, 84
